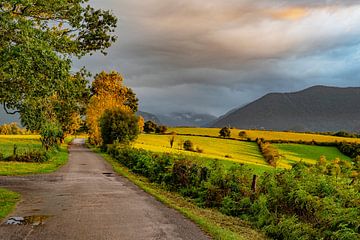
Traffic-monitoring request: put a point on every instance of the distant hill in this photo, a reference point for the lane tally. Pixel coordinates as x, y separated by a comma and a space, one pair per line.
188, 119
149, 117
318, 108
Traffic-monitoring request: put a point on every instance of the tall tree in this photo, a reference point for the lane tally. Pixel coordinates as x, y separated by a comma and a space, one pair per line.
38, 40
108, 92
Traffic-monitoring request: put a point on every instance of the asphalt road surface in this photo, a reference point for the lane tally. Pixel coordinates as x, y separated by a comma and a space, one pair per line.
85, 199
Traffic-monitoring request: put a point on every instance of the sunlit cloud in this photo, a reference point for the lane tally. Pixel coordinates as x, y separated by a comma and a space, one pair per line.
293, 13
260, 46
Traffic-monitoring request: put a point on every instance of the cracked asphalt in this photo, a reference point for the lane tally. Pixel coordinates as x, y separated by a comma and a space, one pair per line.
85, 199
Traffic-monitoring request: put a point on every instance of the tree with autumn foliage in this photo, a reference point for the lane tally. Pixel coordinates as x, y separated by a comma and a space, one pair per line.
108, 92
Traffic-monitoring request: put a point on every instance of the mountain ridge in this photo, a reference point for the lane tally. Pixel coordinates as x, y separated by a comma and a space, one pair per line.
318, 108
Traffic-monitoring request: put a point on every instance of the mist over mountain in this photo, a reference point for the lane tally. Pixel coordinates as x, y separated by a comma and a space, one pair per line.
149, 117
188, 119
319, 108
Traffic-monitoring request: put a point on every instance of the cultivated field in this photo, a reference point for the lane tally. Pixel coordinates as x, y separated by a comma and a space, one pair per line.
267, 135
234, 151
292, 153
229, 151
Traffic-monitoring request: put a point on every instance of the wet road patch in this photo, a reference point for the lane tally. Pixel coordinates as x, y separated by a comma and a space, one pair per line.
109, 174
28, 220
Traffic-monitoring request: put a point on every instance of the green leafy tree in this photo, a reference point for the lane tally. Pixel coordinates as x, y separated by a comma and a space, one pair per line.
150, 127
51, 134
38, 40
118, 125
225, 132
161, 129
131, 100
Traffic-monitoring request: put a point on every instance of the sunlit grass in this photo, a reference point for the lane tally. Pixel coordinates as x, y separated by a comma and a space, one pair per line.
25, 143
8, 200
267, 135
21, 142
220, 149
293, 153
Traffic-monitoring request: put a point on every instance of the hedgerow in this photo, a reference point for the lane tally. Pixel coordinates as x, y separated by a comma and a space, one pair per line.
307, 202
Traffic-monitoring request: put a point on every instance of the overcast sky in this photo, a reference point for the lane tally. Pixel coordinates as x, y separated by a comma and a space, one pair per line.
211, 56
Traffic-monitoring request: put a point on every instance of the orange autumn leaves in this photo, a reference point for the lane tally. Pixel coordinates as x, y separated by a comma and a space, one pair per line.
108, 92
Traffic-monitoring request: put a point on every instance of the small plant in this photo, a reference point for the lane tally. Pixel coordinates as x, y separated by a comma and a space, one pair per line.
242, 134
225, 132
188, 145
199, 150
172, 139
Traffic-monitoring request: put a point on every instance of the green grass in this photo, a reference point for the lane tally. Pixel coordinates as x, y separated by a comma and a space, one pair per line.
228, 151
25, 142
217, 225
8, 201
308, 153
267, 135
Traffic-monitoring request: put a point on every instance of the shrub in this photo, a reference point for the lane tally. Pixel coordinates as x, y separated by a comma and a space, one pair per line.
11, 129
33, 156
225, 132
51, 135
188, 145
242, 134
301, 203
118, 125
149, 127
270, 153
161, 129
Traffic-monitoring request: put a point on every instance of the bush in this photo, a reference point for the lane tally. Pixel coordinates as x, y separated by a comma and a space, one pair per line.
270, 153
11, 129
225, 132
242, 134
51, 135
118, 125
150, 127
301, 203
161, 129
188, 145
33, 156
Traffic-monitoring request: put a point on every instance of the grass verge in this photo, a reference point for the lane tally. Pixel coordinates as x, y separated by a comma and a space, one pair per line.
217, 225
8, 201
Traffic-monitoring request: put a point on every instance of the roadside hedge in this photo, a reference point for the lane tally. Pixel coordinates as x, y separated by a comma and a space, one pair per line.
306, 202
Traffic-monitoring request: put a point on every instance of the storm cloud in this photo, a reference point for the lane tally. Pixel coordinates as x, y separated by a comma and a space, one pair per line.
211, 56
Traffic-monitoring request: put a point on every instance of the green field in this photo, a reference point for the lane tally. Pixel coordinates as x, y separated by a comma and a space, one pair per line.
229, 151
24, 143
308, 153
233, 151
8, 200
267, 135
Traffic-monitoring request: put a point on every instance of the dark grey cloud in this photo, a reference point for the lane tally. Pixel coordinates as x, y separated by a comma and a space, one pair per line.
209, 56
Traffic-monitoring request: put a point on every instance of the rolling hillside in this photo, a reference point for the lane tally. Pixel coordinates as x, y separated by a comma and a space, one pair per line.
318, 108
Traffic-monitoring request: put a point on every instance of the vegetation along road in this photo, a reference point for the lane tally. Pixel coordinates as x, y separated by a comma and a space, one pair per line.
86, 200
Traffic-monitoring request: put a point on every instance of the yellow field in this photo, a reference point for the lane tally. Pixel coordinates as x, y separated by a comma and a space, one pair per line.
267, 135
222, 149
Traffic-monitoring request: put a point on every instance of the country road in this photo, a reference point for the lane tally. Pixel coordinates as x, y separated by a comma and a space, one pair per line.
86, 200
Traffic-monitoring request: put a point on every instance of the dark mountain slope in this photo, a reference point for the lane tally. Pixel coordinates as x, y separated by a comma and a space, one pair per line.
317, 108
